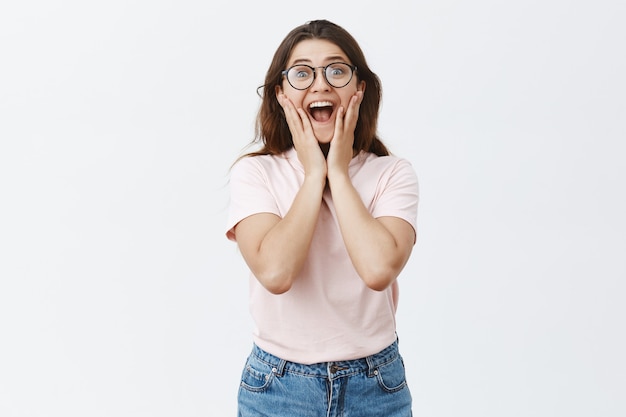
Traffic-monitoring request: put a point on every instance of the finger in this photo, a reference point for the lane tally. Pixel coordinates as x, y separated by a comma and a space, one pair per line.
352, 114
304, 120
339, 122
291, 116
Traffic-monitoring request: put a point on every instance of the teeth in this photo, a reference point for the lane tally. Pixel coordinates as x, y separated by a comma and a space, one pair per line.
320, 104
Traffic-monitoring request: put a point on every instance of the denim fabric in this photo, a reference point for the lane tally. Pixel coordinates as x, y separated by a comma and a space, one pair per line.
373, 386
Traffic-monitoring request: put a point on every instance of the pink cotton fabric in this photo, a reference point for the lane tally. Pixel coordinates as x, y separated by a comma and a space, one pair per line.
329, 314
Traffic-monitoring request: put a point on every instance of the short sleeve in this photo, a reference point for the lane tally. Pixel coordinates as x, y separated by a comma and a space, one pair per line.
398, 195
249, 193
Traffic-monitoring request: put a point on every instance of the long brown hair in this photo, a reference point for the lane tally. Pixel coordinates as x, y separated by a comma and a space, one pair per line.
271, 129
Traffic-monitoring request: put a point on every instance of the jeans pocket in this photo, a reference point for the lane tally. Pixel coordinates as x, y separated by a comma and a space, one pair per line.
391, 376
257, 376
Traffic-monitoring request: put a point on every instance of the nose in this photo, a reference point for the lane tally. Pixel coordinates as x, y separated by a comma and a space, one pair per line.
319, 81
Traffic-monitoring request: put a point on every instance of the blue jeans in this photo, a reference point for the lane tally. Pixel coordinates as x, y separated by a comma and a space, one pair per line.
373, 386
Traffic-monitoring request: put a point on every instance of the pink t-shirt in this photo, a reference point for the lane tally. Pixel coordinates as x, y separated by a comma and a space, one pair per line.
328, 314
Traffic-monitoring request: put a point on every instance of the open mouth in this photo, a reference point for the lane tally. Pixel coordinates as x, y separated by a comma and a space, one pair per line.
321, 111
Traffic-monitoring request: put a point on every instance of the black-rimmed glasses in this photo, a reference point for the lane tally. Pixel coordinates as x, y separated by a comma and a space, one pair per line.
337, 74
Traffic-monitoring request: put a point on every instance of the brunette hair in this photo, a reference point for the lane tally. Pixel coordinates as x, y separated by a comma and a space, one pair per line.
271, 129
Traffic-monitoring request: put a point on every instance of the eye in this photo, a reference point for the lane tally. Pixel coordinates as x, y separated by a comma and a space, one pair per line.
301, 72
336, 71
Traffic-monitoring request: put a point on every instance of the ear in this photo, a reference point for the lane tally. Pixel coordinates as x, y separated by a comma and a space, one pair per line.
361, 86
278, 89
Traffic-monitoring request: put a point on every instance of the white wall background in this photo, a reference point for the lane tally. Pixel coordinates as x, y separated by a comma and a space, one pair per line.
120, 296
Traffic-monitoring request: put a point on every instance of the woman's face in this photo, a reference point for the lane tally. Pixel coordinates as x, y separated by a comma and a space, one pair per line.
320, 101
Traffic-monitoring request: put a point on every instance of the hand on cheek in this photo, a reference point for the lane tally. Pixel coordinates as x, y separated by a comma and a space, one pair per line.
304, 140
341, 151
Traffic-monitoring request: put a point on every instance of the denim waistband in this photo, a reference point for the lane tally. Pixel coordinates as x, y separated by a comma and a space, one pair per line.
329, 369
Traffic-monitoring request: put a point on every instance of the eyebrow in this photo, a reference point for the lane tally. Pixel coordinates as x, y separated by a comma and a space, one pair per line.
333, 58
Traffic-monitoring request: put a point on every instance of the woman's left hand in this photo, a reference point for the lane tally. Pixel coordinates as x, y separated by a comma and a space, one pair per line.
340, 153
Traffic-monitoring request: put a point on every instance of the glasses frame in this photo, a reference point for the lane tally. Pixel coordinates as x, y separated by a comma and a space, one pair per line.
314, 69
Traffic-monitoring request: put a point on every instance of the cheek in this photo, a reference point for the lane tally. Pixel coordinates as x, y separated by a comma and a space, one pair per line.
295, 96
345, 98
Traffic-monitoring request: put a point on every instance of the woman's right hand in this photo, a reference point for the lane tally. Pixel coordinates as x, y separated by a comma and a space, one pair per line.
309, 152
276, 248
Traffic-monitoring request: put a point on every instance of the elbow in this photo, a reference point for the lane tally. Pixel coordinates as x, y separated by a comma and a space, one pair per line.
380, 273
379, 280
377, 286
276, 283
277, 289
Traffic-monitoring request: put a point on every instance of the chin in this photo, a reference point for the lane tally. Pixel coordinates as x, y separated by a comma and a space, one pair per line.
324, 136
324, 141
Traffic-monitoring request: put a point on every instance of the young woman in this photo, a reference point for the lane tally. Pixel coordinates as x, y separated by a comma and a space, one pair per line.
325, 218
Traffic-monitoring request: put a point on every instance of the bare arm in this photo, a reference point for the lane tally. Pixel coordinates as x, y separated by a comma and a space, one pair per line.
275, 249
379, 248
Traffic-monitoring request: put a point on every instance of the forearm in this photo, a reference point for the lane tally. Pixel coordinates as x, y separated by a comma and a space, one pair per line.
282, 251
373, 250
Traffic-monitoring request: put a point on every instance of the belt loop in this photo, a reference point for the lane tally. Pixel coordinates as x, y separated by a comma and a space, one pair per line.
376, 360
280, 368
371, 367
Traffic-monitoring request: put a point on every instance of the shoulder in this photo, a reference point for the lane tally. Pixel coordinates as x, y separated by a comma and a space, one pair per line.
258, 163
385, 164
250, 161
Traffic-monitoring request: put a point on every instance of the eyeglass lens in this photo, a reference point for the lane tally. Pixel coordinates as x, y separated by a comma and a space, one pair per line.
337, 75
